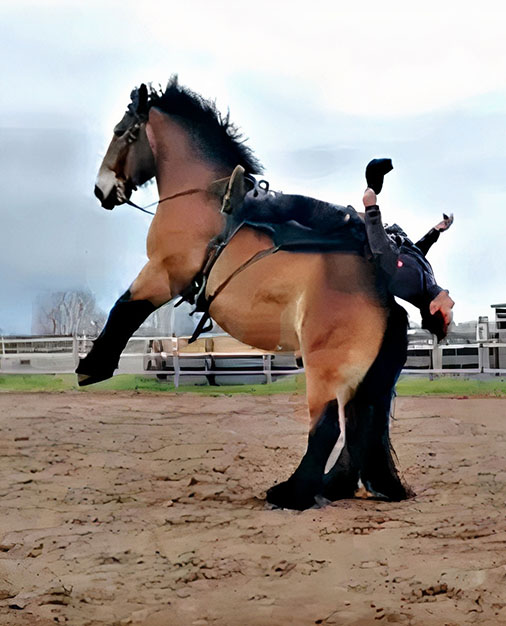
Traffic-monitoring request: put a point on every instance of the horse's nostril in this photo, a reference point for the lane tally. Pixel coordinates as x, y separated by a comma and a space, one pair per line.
98, 193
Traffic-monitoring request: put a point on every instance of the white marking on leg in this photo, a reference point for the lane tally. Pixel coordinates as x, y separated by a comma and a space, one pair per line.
339, 445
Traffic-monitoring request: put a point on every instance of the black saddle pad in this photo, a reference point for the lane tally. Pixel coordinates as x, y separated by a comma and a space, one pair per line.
303, 224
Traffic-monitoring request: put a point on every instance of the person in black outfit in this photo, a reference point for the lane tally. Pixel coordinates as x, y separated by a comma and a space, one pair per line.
402, 264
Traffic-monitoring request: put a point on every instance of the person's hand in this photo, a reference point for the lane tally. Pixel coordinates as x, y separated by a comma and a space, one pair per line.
369, 198
444, 304
445, 223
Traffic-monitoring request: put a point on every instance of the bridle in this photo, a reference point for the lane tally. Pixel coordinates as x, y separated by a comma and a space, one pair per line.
131, 134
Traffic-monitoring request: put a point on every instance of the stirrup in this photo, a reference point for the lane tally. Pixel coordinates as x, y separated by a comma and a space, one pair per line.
236, 190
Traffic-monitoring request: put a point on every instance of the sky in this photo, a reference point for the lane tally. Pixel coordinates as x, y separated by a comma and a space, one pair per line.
319, 89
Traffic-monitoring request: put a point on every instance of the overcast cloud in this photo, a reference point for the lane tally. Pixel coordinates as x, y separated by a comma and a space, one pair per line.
319, 88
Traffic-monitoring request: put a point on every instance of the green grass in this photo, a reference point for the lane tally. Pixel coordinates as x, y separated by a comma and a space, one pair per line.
451, 386
407, 386
132, 382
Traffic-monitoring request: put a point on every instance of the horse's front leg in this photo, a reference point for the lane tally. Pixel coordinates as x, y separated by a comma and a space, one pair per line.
149, 290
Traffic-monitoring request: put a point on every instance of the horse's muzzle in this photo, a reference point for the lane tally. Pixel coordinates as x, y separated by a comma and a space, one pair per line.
107, 203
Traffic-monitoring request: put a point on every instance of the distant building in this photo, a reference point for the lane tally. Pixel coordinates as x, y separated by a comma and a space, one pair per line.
500, 328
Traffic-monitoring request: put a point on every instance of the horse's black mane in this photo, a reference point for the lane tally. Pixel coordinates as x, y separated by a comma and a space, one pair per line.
214, 135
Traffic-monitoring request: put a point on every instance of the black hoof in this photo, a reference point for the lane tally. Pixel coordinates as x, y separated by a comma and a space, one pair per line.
87, 375
392, 490
341, 481
291, 495
90, 379
339, 489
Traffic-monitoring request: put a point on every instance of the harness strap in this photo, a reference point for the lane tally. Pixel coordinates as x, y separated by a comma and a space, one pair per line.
208, 301
256, 257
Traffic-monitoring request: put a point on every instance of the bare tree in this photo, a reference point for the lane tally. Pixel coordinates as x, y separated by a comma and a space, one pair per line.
67, 313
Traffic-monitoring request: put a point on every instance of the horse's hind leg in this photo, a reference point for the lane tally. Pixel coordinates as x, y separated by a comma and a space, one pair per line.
336, 359
149, 290
299, 490
367, 453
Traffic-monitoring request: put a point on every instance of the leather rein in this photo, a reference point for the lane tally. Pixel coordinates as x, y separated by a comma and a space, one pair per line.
172, 197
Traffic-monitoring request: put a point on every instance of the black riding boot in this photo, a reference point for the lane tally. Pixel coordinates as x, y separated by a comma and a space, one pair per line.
124, 319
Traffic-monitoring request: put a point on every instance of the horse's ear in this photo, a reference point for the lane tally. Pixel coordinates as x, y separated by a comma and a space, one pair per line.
142, 104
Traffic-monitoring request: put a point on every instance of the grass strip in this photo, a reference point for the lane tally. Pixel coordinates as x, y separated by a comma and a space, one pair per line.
407, 385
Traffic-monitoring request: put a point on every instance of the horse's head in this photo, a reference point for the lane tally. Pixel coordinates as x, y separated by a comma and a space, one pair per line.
129, 161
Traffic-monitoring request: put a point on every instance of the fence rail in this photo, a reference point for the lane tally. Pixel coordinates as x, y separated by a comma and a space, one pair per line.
60, 355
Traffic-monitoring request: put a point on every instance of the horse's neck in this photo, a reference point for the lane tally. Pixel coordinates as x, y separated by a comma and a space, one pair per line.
179, 167
183, 225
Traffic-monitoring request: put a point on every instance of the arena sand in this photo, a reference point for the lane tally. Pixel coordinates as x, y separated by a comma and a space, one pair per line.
120, 508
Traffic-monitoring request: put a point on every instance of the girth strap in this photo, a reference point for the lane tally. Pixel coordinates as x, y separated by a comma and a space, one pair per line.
201, 327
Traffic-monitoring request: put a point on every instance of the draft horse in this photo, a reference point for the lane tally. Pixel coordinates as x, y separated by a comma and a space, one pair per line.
325, 305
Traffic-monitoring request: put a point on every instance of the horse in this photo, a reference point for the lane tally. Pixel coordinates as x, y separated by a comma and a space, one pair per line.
324, 304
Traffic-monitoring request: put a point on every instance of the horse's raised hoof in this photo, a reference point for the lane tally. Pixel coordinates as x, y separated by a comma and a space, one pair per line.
291, 495
90, 379
90, 372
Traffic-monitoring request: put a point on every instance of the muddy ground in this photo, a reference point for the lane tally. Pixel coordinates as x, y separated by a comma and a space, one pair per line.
120, 508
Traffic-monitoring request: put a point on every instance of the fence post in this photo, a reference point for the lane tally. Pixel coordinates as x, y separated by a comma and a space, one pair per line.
267, 359
437, 354
75, 350
175, 362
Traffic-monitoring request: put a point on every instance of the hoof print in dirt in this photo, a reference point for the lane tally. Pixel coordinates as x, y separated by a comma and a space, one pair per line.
289, 495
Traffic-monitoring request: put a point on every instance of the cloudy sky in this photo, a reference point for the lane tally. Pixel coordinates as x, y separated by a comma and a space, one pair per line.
319, 88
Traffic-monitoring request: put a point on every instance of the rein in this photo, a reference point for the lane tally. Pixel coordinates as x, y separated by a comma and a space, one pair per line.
172, 197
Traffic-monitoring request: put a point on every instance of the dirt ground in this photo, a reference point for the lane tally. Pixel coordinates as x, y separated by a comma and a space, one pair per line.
120, 508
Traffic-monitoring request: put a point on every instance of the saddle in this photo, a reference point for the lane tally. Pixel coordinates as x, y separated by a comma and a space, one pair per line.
294, 223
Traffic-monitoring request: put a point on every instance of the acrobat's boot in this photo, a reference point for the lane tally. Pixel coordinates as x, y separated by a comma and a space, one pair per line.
375, 173
124, 319
384, 252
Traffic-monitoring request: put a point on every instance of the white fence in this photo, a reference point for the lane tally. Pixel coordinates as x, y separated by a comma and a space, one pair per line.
59, 355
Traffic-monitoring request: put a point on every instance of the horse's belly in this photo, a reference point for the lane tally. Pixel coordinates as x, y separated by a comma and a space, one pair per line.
261, 305
258, 315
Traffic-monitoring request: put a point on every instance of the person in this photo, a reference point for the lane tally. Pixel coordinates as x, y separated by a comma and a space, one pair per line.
401, 264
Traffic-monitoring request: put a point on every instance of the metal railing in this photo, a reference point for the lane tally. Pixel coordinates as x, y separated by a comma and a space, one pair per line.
60, 355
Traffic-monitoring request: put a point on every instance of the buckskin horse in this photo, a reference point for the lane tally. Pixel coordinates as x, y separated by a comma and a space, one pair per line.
325, 304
